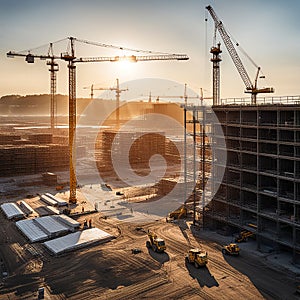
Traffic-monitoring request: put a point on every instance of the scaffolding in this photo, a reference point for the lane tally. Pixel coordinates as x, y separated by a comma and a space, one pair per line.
31, 153
260, 190
202, 126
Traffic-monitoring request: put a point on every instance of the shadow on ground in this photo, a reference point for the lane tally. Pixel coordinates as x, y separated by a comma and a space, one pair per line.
202, 275
159, 257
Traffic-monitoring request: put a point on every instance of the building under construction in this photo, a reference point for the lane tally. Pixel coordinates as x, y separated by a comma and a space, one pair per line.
31, 153
260, 189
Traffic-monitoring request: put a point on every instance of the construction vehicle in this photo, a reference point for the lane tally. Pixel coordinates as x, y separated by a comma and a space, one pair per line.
231, 249
178, 213
243, 236
251, 87
197, 257
157, 244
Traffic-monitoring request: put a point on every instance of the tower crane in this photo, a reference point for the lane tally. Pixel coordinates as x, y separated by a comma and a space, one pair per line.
53, 68
92, 90
71, 59
53, 103
250, 87
118, 93
185, 96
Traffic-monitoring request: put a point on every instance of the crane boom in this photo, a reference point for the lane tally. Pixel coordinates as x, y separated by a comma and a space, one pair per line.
30, 57
250, 87
133, 58
230, 48
71, 59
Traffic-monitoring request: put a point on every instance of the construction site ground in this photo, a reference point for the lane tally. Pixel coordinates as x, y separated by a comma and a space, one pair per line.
113, 271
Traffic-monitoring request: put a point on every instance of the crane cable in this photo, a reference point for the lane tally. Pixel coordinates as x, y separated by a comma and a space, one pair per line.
39, 47
120, 47
241, 49
250, 59
237, 44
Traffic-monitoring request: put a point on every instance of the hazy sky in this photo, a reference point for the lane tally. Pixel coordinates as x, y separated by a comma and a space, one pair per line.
269, 31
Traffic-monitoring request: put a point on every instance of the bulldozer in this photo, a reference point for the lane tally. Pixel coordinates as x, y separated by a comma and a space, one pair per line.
243, 236
157, 244
231, 249
197, 257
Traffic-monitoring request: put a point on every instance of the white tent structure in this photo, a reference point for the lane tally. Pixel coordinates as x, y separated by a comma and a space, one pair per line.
51, 226
76, 240
59, 201
30, 229
12, 211
44, 228
48, 200
71, 223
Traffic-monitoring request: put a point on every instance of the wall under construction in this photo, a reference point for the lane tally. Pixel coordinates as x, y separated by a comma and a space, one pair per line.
260, 191
23, 153
142, 143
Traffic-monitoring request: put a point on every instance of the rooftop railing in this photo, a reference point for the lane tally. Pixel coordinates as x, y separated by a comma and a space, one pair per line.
278, 100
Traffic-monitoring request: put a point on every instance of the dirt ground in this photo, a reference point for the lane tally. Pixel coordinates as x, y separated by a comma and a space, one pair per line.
112, 271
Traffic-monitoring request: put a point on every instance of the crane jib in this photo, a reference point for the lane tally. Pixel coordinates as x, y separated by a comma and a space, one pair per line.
250, 87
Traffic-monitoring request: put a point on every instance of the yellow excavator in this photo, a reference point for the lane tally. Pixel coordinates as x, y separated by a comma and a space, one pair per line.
157, 244
197, 257
178, 213
243, 236
231, 249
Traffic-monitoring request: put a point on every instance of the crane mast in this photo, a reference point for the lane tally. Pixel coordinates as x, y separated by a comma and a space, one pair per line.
72, 95
72, 118
118, 94
216, 73
53, 104
250, 88
53, 68
71, 59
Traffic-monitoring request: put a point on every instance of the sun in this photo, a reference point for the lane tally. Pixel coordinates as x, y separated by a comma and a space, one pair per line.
125, 65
